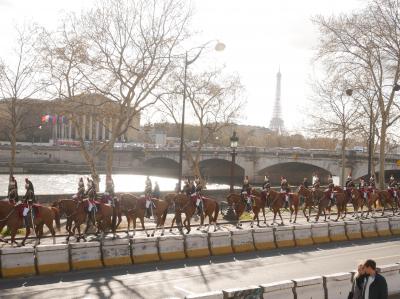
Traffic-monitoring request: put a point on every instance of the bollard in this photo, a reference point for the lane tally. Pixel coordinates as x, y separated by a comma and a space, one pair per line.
368, 228
302, 235
242, 241
284, 236
144, 250
116, 252
196, 245
52, 258
171, 248
263, 238
353, 230
320, 233
392, 276
394, 225
253, 292
382, 227
337, 231
309, 288
18, 261
278, 290
338, 285
85, 255
220, 243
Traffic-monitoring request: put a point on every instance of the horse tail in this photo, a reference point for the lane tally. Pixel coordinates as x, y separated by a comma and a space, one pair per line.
216, 212
57, 217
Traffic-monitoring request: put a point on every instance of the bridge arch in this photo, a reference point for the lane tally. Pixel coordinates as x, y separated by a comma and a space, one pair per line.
219, 171
295, 172
161, 166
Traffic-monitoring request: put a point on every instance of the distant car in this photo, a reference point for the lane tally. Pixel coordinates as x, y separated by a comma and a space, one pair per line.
359, 149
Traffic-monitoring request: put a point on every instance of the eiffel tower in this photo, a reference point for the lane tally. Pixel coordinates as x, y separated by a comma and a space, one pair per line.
276, 123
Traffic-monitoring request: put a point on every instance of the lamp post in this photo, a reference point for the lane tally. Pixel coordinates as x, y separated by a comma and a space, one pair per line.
234, 143
218, 47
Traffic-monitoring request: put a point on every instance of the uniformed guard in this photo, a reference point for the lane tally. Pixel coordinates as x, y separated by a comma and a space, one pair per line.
13, 188
30, 192
147, 194
81, 190
316, 183
392, 186
199, 198
349, 184
267, 185
305, 183
109, 193
245, 193
156, 191
285, 189
362, 187
372, 185
331, 189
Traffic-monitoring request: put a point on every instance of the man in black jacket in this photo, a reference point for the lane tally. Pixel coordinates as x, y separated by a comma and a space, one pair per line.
375, 286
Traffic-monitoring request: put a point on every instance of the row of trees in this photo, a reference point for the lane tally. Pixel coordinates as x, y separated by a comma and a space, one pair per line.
360, 55
131, 54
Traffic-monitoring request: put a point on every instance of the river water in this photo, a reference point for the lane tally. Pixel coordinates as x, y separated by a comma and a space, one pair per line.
68, 183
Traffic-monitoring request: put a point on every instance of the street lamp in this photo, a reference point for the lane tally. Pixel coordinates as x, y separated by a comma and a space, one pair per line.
218, 47
234, 143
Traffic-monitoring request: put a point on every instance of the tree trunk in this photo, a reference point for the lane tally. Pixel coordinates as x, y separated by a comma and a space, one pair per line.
343, 149
13, 150
110, 160
382, 155
95, 176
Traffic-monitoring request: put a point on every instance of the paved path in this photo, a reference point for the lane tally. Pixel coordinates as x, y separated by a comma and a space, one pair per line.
177, 279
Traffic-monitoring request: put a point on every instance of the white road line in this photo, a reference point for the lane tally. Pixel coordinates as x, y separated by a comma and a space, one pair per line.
183, 290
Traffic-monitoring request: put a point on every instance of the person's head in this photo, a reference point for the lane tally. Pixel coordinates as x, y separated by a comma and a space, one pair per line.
360, 269
370, 267
26, 180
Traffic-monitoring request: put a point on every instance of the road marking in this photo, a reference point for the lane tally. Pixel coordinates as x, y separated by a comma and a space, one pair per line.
183, 290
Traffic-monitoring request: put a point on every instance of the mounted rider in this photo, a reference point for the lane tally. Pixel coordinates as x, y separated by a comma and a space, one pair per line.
349, 184
12, 189
91, 188
81, 191
305, 183
156, 191
266, 185
363, 188
286, 190
392, 186
316, 183
109, 193
246, 193
199, 198
148, 189
372, 184
331, 191
30, 192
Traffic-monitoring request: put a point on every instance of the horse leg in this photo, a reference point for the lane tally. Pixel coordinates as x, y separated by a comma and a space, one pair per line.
265, 219
144, 228
291, 213
304, 212
128, 219
27, 233
172, 224
280, 216
274, 220
201, 221
188, 224
296, 210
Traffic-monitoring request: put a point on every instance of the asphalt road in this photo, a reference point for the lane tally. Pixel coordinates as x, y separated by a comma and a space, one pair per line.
180, 278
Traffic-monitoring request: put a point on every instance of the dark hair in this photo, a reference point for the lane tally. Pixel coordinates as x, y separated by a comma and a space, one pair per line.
370, 264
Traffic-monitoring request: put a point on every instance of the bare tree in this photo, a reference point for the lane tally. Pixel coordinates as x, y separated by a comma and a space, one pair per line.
132, 47
335, 113
20, 80
367, 42
215, 102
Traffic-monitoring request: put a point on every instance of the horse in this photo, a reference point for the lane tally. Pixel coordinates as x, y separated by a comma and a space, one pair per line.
9, 216
385, 197
75, 213
185, 204
322, 201
278, 202
137, 209
161, 211
308, 200
127, 203
236, 202
358, 201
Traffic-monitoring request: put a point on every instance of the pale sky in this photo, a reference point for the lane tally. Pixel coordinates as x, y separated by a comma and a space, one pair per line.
260, 37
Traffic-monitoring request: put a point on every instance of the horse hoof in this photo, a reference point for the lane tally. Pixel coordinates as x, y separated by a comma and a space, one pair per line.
198, 228
265, 222
240, 224
152, 235
148, 235
170, 230
162, 234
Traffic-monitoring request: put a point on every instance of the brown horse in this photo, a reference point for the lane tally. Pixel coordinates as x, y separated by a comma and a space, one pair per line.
277, 200
308, 200
137, 211
385, 198
322, 201
9, 216
186, 205
161, 211
358, 201
75, 213
236, 202
127, 203
101, 218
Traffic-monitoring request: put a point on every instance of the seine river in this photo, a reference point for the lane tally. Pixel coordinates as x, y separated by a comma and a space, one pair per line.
68, 183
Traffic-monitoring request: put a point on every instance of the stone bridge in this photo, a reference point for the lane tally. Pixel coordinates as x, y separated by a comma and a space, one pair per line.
257, 162
215, 162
